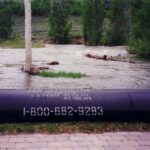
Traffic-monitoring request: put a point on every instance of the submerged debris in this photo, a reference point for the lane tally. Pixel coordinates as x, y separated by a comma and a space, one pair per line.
34, 69
105, 58
43, 68
53, 63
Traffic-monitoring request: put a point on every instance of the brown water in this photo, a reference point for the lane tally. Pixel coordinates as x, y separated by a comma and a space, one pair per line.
100, 74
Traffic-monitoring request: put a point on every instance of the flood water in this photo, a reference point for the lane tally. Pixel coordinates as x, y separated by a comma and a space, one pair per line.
100, 74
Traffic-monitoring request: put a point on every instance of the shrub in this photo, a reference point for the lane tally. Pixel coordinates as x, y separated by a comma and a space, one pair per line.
119, 29
59, 20
93, 17
16, 8
140, 46
141, 27
76, 7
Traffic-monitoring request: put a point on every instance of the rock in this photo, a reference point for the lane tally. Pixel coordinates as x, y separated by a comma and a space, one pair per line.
53, 63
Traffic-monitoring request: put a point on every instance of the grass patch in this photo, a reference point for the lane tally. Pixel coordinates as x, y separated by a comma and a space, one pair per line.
73, 127
61, 74
18, 43
12, 43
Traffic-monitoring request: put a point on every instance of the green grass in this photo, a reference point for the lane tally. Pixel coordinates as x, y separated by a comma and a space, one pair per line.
73, 127
12, 43
61, 74
18, 43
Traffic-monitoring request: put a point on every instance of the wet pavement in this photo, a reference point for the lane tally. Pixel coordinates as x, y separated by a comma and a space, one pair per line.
100, 74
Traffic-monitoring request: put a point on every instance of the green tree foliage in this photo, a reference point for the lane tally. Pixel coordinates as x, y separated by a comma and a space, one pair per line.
93, 17
5, 21
140, 41
118, 32
16, 8
59, 19
76, 7
40, 7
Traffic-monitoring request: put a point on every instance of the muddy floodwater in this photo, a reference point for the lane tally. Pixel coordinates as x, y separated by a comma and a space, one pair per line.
100, 74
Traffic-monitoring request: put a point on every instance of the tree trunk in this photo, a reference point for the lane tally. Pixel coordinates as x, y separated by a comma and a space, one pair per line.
28, 36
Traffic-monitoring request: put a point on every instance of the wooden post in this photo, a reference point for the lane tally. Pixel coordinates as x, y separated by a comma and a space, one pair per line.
28, 36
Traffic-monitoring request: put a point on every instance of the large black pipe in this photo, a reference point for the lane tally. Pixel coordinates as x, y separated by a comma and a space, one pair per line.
74, 105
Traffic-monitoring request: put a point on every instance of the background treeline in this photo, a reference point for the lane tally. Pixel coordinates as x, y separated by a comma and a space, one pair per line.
40, 7
105, 22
